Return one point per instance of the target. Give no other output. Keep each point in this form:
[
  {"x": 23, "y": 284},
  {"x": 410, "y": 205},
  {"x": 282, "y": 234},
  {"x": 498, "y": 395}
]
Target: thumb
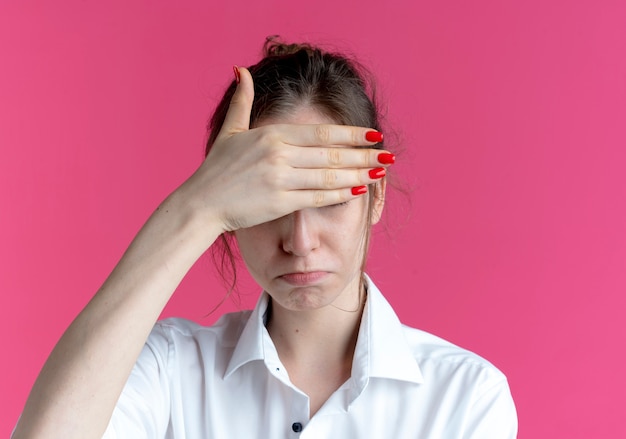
[{"x": 238, "y": 115}]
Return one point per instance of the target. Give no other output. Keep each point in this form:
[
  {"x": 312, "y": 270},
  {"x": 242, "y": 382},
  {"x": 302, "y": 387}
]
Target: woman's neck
[
  {"x": 327, "y": 334},
  {"x": 316, "y": 347}
]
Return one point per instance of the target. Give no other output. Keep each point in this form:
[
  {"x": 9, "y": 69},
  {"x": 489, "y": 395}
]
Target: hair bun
[{"x": 275, "y": 47}]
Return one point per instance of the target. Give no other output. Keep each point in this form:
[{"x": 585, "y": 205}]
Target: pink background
[{"x": 511, "y": 116}]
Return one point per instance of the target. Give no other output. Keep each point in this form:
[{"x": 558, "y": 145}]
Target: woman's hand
[{"x": 256, "y": 175}]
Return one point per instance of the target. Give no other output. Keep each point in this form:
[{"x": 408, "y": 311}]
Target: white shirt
[{"x": 226, "y": 381}]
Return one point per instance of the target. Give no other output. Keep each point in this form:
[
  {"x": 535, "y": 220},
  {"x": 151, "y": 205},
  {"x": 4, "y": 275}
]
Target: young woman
[{"x": 295, "y": 176}]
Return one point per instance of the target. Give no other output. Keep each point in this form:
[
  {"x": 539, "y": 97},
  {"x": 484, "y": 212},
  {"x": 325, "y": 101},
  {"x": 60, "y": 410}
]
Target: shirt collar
[
  {"x": 252, "y": 341},
  {"x": 381, "y": 351}
]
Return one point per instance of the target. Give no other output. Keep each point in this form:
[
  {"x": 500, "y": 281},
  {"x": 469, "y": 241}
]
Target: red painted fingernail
[
  {"x": 359, "y": 190},
  {"x": 237, "y": 76},
  {"x": 377, "y": 173},
  {"x": 386, "y": 159},
  {"x": 374, "y": 136}
]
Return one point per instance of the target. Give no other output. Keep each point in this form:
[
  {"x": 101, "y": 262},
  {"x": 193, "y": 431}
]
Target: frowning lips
[{"x": 304, "y": 278}]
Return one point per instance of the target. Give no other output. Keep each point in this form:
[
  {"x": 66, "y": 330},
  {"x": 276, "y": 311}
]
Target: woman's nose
[{"x": 300, "y": 236}]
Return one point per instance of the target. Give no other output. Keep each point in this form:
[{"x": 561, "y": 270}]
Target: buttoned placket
[{"x": 300, "y": 409}]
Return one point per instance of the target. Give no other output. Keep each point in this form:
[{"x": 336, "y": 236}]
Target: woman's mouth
[{"x": 304, "y": 278}]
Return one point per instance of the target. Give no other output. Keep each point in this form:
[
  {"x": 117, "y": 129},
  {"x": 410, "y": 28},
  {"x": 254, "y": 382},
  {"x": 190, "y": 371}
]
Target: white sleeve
[
  {"x": 142, "y": 410},
  {"x": 493, "y": 414}
]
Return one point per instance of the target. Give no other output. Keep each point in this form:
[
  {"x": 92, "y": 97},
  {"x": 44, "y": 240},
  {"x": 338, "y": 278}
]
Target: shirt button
[{"x": 296, "y": 427}]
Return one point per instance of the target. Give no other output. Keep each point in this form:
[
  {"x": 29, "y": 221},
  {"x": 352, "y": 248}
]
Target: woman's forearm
[{"x": 82, "y": 379}]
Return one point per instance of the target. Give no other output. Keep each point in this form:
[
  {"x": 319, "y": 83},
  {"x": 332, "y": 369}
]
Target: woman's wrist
[{"x": 195, "y": 227}]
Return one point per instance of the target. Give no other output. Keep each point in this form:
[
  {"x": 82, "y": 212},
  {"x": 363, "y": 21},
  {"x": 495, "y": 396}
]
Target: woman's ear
[{"x": 378, "y": 200}]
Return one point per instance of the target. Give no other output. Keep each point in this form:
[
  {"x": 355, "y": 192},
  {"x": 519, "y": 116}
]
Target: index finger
[{"x": 328, "y": 134}]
